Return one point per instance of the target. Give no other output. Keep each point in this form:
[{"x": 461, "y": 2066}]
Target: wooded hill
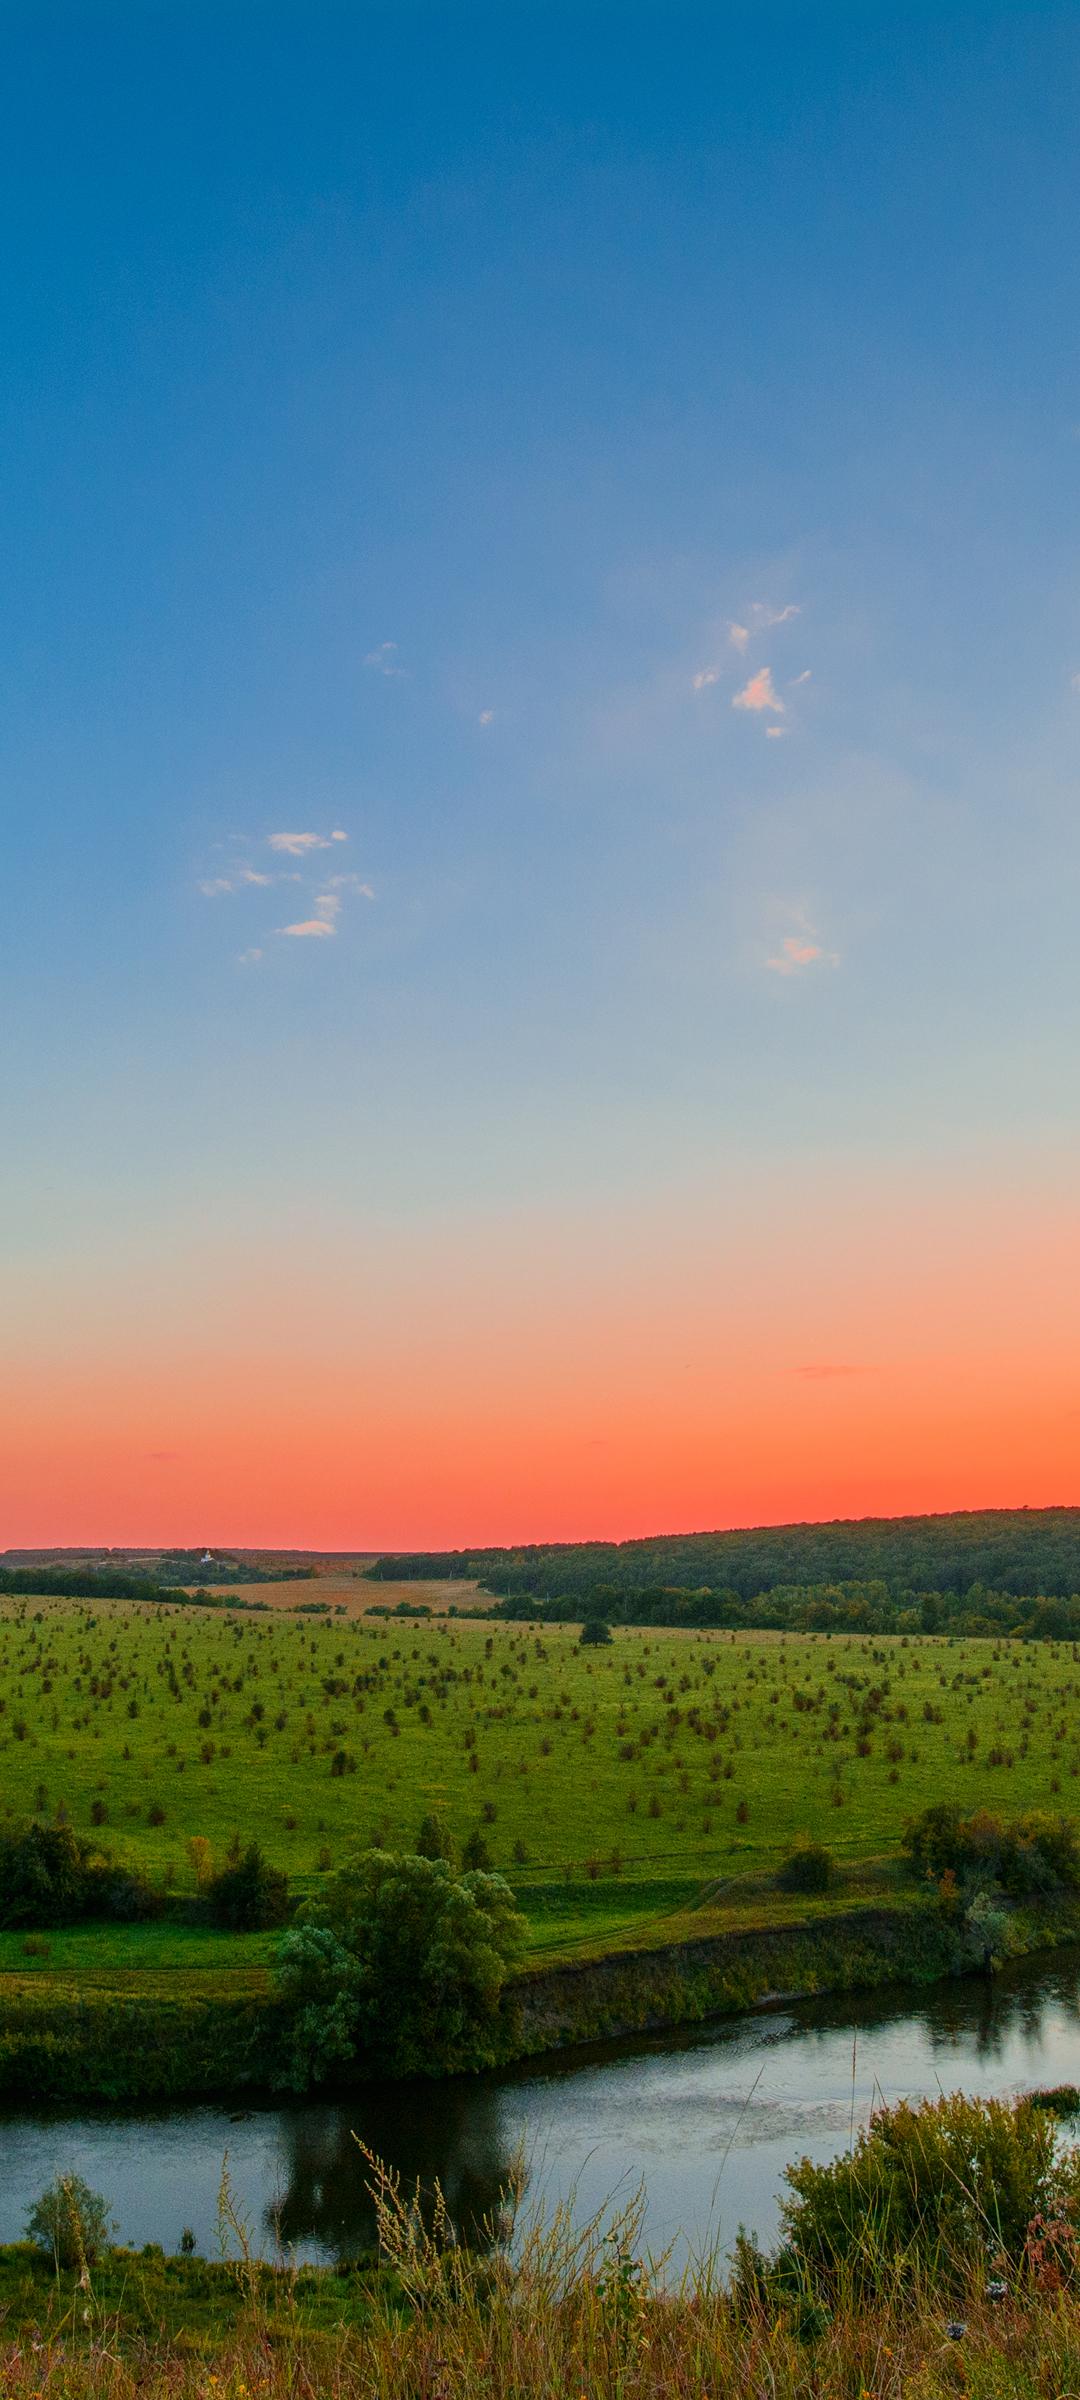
[{"x": 983, "y": 1570}]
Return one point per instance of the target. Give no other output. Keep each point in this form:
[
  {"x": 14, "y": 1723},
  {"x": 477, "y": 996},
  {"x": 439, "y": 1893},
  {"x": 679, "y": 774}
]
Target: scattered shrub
[{"x": 434, "y": 1839}]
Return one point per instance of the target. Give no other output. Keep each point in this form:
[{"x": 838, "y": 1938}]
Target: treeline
[
  {"x": 1011, "y": 1551},
  {"x": 810, "y": 1608},
  {"x": 82, "y": 1583}
]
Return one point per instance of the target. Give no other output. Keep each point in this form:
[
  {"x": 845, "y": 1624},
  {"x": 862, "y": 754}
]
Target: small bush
[
  {"x": 250, "y": 1896},
  {"x": 434, "y": 1839},
  {"x": 931, "y": 2190},
  {"x": 807, "y": 1868},
  {"x": 70, "y": 2223}
]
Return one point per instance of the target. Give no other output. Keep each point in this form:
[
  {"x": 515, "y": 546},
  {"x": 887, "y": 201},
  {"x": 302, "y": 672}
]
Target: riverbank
[{"x": 161, "y": 2037}]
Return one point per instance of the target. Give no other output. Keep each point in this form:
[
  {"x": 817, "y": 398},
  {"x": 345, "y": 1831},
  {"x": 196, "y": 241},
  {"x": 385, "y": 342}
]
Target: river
[{"x": 707, "y": 2119}]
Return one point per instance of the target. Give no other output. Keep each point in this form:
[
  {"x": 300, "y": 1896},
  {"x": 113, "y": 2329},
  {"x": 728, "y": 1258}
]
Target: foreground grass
[
  {"x": 611, "y": 2336},
  {"x": 620, "y": 1789}
]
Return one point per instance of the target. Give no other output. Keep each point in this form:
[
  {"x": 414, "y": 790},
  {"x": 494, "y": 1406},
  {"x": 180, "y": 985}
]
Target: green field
[{"x": 612, "y": 1785}]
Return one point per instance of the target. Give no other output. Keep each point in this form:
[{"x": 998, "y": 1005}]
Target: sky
[{"x": 539, "y": 740}]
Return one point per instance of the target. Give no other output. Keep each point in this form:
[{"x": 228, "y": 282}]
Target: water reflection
[
  {"x": 708, "y": 2119},
  {"x": 453, "y": 2132}
]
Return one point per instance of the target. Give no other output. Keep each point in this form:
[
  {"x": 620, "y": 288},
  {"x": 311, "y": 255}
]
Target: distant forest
[{"x": 991, "y": 1572}]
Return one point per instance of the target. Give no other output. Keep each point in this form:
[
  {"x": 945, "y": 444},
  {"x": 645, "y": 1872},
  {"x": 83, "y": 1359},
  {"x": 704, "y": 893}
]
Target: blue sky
[{"x": 617, "y": 468}]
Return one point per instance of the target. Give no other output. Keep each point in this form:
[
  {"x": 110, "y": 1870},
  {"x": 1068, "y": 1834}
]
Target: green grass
[
  {"x": 85, "y": 1951},
  {"x": 617, "y": 1787},
  {"x": 141, "y": 2295}
]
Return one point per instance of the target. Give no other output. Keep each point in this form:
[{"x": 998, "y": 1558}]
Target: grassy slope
[{"x": 643, "y": 1752}]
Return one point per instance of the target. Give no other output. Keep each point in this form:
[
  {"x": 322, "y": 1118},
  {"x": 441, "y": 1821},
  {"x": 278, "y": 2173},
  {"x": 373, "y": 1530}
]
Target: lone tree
[
  {"x": 402, "y": 1962},
  {"x": 594, "y": 1631}
]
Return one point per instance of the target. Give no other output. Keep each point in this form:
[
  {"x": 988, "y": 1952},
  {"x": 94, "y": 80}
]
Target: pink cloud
[
  {"x": 309, "y": 929},
  {"x": 796, "y": 952},
  {"x": 759, "y": 694}
]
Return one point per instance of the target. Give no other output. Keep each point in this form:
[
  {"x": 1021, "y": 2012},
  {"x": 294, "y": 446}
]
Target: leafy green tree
[
  {"x": 320, "y": 1982},
  {"x": 70, "y": 2223},
  {"x": 594, "y": 1632},
  {"x": 412, "y": 1981}
]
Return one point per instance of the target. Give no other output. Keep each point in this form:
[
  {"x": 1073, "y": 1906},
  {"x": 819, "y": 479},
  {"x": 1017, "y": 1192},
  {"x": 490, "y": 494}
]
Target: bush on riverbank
[{"x": 926, "y": 2194}]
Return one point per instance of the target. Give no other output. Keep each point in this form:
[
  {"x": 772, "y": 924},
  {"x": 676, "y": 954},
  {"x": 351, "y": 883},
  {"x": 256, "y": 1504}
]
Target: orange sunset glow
[{"x": 820, "y": 1353}]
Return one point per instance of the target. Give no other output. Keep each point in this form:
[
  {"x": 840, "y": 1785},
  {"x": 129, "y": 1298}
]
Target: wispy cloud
[
  {"x": 323, "y": 894},
  {"x": 797, "y": 952},
  {"x": 213, "y": 885},
  {"x": 803, "y": 678},
  {"x": 760, "y": 618},
  {"x": 705, "y": 678},
  {"x": 349, "y": 883},
  {"x": 383, "y": 660},
  {"x": 486, "y": 717},
  {"x": 776, "y": 733},
  {"x": 297, "y": 845},
  {"x": 759, "y": 694},
  {"x": 763, "y": 618}
]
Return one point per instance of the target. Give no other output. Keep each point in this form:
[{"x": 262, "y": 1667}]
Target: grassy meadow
[{"x": 617, "y": 1787}]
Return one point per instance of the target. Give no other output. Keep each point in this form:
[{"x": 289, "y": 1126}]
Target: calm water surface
[{"x": 708, "y": 2119}]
